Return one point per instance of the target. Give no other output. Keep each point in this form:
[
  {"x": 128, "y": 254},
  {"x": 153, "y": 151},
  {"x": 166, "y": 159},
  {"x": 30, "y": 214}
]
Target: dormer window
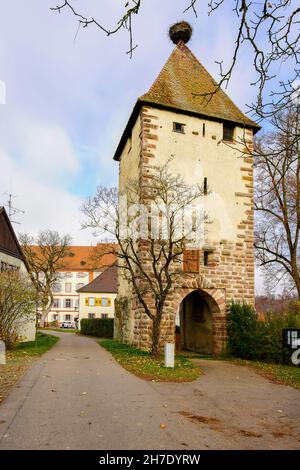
[
  {"x": 178, "y": 127},
  {"x": 228, "y": 131}
]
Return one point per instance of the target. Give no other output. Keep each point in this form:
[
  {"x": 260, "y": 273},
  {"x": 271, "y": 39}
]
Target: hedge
[
  {"x": 251, "y": 338},
  {"x": 100, "y": 327}
]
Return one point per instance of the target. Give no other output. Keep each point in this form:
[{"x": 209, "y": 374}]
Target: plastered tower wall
[{"x": 229, "y": 237}]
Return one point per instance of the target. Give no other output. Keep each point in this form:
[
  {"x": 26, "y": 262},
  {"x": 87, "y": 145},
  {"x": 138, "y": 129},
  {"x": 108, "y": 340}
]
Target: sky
[{"x": 68, "y": 100}]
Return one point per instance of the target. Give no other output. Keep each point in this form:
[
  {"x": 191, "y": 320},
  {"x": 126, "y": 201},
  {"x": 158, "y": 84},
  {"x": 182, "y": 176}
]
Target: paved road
[{"x": 77, "y": 397}]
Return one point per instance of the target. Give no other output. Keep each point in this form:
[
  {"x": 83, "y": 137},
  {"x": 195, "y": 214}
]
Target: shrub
[
  {"x": 17, "y": 306},
  {"x": 250, "y": 338},
  {"x": 100, "y": 327},
  {"x": 244, "y": 337}
]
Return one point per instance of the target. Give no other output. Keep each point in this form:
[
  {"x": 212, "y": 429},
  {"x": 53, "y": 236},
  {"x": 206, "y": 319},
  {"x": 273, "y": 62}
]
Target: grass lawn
[
  {"x": 278, "y": 373},
  {"x": 140, "y": 363},
  {"x": 19, "y": 359}
]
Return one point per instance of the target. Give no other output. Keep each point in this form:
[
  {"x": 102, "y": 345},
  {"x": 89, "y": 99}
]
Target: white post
[
  {"x": 169, "y": 355},
  {"x": 2, "y": 353}
]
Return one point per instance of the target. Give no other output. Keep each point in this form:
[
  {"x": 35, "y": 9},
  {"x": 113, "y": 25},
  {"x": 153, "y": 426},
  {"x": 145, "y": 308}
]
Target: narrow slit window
[
  {"x": 203, "y": 130},
  {"x": 228, "y": 132},
  {"x": 178, "y": 127},
  {"x": 206, "y": 258},
  {"x": 205, "y": 187}
]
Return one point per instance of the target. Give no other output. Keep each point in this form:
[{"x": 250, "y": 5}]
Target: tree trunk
[
  {"x": 155, "y": 350},
  {"x": 44, "y": 316}
]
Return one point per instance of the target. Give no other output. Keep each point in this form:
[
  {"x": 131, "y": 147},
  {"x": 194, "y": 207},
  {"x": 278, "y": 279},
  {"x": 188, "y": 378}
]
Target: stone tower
[{"x": 201, "y": 135}]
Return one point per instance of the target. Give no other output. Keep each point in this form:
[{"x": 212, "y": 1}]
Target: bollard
[
  {"x": 2, "y": 353},
  {"x": 169, "y": 355}
]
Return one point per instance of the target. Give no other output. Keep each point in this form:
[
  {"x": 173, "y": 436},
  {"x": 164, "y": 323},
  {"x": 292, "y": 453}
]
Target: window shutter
[
  {"x": 87, "y": 301},
  {"x": 109, "y": 302},
  {"x": 191, "y": 261}
]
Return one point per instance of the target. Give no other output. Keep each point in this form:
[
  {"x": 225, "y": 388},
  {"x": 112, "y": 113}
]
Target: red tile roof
[{"x": 88, "y": 258}]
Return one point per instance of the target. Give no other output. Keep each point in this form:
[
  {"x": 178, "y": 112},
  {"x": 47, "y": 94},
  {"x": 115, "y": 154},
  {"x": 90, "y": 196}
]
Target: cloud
[{"x": 45, "y": 205}]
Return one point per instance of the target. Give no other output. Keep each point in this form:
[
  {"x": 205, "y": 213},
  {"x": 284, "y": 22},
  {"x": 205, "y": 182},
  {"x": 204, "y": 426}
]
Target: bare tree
[
  {"x": 270, "y": 31},
  {"x": 45, "y": 256},
  {"x": 151, "y": 237},
  {"x": 277, "y": 199},
  {"x": 17, "y": 306}
]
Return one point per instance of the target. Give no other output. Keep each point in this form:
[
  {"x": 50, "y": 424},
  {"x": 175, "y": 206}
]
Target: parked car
[{"x": 67, "y": 324}]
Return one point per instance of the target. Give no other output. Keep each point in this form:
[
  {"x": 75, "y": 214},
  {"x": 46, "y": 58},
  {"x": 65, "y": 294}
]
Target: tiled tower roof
[{"x": 178, "y": 87}]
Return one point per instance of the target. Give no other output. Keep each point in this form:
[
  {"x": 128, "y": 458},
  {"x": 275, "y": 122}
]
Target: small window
[
  {"x": 205, "y": 187},
  {"x": 56, "y": 287},
  {"x": 68, "y": 287},
  {"x": 81, "y": 274},
  {"x": 104, "y": 315},
  {"x": 206, "y": 258},
  {"x": 56, "y": 303},
  {"x": 178, "y": 127},
  {"x": 68, "y": 303},
  {"x": 92, "y": 302},
  {"x": 228, "y": 132},
  {"x": 67, "y": 317},
  {"x": 203, "y": 130},
  {"x": 91, "y": 315}
]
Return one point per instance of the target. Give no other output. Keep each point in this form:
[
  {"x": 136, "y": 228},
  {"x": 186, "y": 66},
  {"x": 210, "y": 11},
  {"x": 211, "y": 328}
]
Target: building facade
[
  {"x": 97, "y": 299},
  {"x": 12, "y": 259},
  {"x": 201, "y": 136},
  {"x": 80, "y": 269}
]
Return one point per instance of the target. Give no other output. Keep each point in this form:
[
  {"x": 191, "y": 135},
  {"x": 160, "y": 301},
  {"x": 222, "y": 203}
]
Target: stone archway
[
  {"x": 196, "y": 323},
  {"x": 202, "y": 315}
]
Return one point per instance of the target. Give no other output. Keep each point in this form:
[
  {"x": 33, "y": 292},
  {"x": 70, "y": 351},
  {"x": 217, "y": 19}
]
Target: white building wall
[{"x": 66, "y": 296}]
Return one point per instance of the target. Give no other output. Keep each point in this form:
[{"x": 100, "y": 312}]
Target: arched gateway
[{"x": 202, "y": 320}]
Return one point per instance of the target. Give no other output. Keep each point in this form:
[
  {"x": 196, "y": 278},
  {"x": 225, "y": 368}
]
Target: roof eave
[{"x": 140, "y": 103}]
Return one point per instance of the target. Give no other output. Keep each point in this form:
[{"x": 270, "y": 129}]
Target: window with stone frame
[{"x": 207, "y": 257}]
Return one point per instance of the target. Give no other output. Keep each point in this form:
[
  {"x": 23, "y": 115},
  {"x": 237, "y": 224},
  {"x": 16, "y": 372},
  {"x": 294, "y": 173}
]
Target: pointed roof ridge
[
  {"x": 106, "y": 282},
  {"x": 182, "y": 81},
  {"x": 180, "y": 86}
]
